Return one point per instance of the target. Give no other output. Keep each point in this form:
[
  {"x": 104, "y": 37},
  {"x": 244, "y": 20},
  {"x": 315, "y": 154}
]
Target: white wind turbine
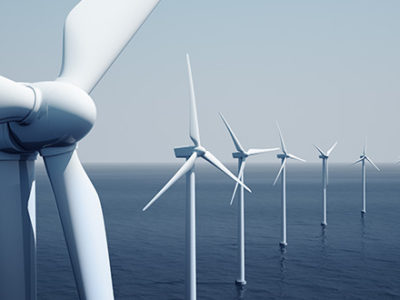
[
  {"x": 284, "y": 156},
  {"x": 363, "y": 158},
  {"x": 191, "y": 153},
  {"x": 241, "y": 155},
  {"x": 324, "y": 156},
  {"x": 50, "y": 118}
]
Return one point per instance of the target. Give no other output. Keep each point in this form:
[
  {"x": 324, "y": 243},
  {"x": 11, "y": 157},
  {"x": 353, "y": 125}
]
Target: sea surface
[{"x": 353, "y": 258}]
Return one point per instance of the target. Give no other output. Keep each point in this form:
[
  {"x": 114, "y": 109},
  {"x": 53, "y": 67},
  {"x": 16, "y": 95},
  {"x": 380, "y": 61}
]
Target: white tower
[
  {"x": 241, "y": 156},
  {"x": 363, "y": 158},
  {"x": 324, "y": 156},
  {"x": 284, "y": 156}
]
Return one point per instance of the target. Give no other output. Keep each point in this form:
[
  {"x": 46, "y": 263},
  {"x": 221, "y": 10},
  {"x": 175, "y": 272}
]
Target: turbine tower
[
  {"x": 241, "y": 155},
  {"x": 363, "y": 158},
  {"x": 284, "y": 156},
  {"x": 191, "y": 153},
  {"x": 50, "y": 118},
  {"x": 324, "y": 156}
]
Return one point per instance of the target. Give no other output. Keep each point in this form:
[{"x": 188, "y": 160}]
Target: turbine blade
[
  {"x": 240, "y": 176},
  {"x": 357, "y": 161},
  {"x": 95, "y": 33},
  {"x": 235, "y": 140},
  {"x": 82, "y": 220},
  {"x": 320, "y": 151},
  {"x": 331, "y": 149},
  {"x": 194, "y": 123},
  {"x": 295, "y": 157},
  {"x": 260, "y": 151},
  {"x": 281, "y": 138},
  {"x": 280, "y": 170},
  {"x": 372, "y": 163},
  {"x": 182, "y": 171},
  {"x": 365, "y": 146},
  {"x": 208, "y": 156}
]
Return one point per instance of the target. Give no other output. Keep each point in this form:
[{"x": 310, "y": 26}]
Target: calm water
[{"x": 353, "y": 258}]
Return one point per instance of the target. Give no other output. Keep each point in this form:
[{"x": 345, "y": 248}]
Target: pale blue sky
[{"x": 326, "y": 70}]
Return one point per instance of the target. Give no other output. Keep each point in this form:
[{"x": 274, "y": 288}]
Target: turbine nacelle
[
  {"x": 241, "y": 155},
  {"x": 185, "y": 152},
  {"x": 62, "y": 115}
]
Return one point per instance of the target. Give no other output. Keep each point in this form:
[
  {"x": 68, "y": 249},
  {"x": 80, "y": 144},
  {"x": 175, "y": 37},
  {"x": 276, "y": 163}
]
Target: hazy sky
[{"x": 326, "y": 70}]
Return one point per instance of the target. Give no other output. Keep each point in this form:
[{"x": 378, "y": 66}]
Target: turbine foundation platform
[
  {"x": 283, "y": 244},
  {"x": 240, "y": 282},
  {"x": 324, "y": 224}
]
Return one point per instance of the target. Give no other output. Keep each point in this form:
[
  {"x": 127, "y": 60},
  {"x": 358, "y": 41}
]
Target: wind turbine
[
  {"x": 50, "y": 118},
  {"x": 363, "y": 158},
  {"x": 191, "y": 153},
  {"x": 284, "y": 156},
  {"x": 241, "y": 155},
  {"x": 324, "y": 156}
]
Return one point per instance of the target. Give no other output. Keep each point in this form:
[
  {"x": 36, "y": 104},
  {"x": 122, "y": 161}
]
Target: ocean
[{"x": 352, "y": 258}]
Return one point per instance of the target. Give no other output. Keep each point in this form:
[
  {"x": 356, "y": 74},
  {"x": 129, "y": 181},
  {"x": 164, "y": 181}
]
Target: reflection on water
[
  {"x": 323, "y": 236},
  {"x": 241, "y": 290},
  {"x": 363, "y": 237},
  {"x": 282, "y": 264},
  {"x": 363, "y": 226}
]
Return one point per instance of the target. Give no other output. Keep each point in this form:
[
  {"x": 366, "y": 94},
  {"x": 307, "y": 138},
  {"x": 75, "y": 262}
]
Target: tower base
[
  {"x": 283, "y": 244},
  {"x": 324, "y": 224},
  {"x": 240, "y": 282}
]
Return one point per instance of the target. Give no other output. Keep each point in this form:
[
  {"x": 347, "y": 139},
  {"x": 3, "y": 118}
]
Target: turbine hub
[
  {"x": 239, "y": 155},
  {"x": 281, "y": 155},
  {"x": 200, "y": 150},
  {"x": 63, "y": 114}
]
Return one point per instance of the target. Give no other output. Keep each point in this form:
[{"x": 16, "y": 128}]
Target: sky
[{"x": 325, "y": 70}]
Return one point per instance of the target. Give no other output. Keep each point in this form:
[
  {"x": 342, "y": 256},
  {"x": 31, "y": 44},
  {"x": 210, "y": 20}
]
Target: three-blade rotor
[
  {"x": 364, "y": 157},
  {"x": 325, "y": 157},
  {"x": 284, "y": 155},
  {"x": 242, "y": 154},
  {"x": 323, "y": 154},
  {"x": 193, "y": 152}
]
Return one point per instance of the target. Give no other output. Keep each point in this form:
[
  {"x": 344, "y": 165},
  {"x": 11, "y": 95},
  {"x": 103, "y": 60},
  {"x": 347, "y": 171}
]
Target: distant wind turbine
[
  {"x": 241, "y": 155},
  {"x": 363, "y": 158},
  {"x": 324, "y": 156},
  {"x": 191, "y": 153},
  {"x": 282, "y": 171}
]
